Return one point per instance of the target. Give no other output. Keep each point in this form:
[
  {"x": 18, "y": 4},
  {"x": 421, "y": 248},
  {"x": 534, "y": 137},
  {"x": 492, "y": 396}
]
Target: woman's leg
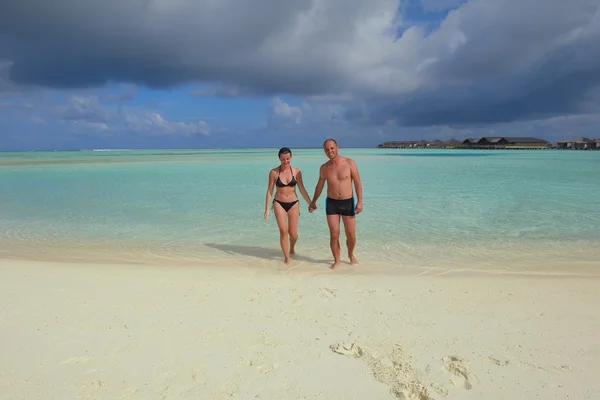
[
  {"x": 293, "y": 216},
  {"x": 281, "y": 218}
]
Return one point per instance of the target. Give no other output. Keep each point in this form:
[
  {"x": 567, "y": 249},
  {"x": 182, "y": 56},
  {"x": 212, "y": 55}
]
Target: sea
[{"x": 426, "y": 211}]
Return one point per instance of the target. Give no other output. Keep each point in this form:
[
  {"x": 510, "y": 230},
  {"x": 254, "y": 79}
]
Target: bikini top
[{"x": 290, "y": 183}]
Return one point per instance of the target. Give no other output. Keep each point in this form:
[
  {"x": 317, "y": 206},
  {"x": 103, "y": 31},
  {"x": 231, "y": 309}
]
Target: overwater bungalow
[
  {"x": 581, "y": 143},
  {"x": 506, "y": 142}
]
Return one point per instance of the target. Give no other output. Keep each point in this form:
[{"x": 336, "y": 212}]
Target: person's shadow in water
[{"x": 261, "y": 252}]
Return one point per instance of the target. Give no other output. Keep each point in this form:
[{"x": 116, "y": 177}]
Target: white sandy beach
[{"x": 89, "y": 331}]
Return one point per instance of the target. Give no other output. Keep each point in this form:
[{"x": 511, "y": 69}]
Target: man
[{"x": 339, "y": 173}]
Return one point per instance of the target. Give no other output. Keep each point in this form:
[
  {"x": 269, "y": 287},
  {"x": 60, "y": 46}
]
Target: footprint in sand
[
  {"x": 497, "y": 361},
  {"x": 556, "y": 368},
  {"x": 562, "y": 368},
  {"x": 460, "y": 371},
  {"x": 328, "y": 293},
  {"x": 347, "y": 349},
  {"x": 394, "y": 370},
  {"x": 533, "y": 366}
]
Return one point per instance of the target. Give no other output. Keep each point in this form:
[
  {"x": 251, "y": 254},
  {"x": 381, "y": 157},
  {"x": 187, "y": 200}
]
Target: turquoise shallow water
[{"x": 504, "y": 210}]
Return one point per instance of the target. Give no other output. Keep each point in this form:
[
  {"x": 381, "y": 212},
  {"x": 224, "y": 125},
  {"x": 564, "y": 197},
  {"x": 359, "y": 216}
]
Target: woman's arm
[
  {"x": 302, "y": 188},
  {"x": 269, "y": 196}
]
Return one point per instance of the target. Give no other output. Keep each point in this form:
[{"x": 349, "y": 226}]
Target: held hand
[
  {"x": 267, "y": 215},
  {"x": 312, "y": 207},
  {"x": 359, "y": 207}
]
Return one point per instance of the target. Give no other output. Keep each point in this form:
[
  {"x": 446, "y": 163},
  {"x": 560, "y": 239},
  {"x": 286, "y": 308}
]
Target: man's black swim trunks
[{"x": 340, "y": 207}]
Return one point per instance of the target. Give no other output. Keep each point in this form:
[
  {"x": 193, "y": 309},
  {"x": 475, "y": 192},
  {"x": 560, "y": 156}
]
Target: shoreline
[
  {"x": 415, "y": 261},
  {"x": 111, "y": 331},
  {"x": 584, "y": 268}
]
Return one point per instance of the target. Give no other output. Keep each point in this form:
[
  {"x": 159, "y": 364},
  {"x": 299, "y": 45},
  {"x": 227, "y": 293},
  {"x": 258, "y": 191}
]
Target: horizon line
[{"x": 108, "y": 149}]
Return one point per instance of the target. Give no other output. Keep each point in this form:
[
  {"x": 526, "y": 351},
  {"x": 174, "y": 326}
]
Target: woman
[{"x": 286, "y": 205}]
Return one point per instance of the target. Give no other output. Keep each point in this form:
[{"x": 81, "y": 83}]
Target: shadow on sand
[{"x": 261, "y": 252}]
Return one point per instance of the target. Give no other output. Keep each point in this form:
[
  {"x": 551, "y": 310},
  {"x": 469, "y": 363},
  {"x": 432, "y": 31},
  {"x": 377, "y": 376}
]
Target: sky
[{"x": 149, "y": 74}]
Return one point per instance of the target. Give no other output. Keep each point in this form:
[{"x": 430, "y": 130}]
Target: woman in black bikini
[{"x": 286, "y": 205}]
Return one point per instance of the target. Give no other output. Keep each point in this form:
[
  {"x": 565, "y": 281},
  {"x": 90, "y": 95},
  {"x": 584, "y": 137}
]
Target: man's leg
[
  {"x": 333, "y": 221},
  {"x": 350, "y": 230}
]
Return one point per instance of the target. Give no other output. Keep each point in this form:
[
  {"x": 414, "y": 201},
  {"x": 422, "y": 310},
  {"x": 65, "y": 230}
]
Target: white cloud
[
  {"x": 84, "y": 109},
  {"x": 283, "y": 111},
  {"x": 154, "y": 123}
]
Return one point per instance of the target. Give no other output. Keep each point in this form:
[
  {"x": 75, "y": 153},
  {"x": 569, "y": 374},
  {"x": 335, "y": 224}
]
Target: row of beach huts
[{"x": 496, "y": 142}]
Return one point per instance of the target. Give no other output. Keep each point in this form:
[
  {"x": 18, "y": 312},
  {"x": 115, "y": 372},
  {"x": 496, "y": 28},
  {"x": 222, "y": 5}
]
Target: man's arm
[
  {"x": 319, "y": 187},
  {"x": 357, "y": 186}
]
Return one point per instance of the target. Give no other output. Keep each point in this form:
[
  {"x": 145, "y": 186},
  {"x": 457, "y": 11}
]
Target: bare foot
[
  {"x": 353, "y": 259},
  {"x": 335, "y": 265},
  {"x": 287, "y": 260},
  {"x": 292, "y": 251}
]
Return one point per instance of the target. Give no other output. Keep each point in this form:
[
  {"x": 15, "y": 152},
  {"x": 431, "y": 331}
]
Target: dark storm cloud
[
  {"x": 161, "y": 43},
  {"x": 507, "y": 66},
  {"x": 490, "y": 60},
  {"x": 550, "y": 91}
]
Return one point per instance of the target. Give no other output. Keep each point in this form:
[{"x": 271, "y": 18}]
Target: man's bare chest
[{"x": 338, "y": 173}]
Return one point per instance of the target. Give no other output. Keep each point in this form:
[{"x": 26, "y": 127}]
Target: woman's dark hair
[{"x": 284, "y": 150}]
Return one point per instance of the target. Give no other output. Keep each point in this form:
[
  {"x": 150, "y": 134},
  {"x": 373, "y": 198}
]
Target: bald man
[{"x": 339, "y": 173}]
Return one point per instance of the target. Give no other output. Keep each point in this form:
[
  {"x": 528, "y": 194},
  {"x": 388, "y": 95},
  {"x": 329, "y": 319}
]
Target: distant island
[{"x": 495, "y": 143}]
